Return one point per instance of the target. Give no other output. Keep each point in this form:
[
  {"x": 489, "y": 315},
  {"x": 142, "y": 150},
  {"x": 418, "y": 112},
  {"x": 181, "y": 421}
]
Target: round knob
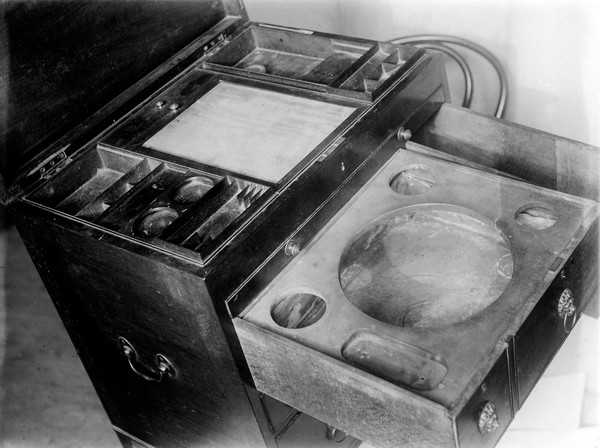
[
  {"x": 404, "y": 134},
  {"x": 566, "y": 309},
  {"x": 292, "y": 248},
  {"x": 488, "y": 421}
]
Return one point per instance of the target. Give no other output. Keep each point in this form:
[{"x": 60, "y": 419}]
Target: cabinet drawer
[
  {"x": 488, "y": 413},
  {"x": 356, "y": 402},
  {"x": 543, "y": 332}
]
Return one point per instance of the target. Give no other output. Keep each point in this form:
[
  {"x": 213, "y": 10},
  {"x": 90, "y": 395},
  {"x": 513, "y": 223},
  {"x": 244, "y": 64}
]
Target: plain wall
[{"x": 550, "y": 49}]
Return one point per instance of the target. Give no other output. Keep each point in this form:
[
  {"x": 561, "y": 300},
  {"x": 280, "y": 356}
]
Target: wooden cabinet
[
  {"x": 173, "y": 205},
  {"x": 159, "y": 310}
]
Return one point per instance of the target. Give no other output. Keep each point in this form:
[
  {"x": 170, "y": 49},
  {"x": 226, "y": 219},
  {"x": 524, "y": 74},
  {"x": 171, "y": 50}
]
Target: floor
[{"x": 46, "y": 399}]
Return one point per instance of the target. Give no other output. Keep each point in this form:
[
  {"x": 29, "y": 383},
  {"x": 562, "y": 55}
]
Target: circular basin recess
[
  {"x": 192, "y": 189},
  {"x": 414, "y": 180},
  {"x": 154, "y": 221},
  {"x": 298, "y": 310},
  {"x": 427, "y": 265},
  {"x": 536, "y": 216}
]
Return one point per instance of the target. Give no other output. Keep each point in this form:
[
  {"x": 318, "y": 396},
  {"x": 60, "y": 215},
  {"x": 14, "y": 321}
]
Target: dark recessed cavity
[
  {"x": 414, "y": 180},
  {"x": 192, "y": 189},
  {"x": 426, "y": 266},
  {"x": 394, "y": 360},
  {"x": 536, "y": 216},
  {"x": 154, "y": 221},
  {"x": 302, "y": 57},
  {"x": 298, "y": 310}
]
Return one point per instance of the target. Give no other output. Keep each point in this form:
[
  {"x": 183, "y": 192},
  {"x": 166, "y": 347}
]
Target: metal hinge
[{"x": 53, "y": 164}]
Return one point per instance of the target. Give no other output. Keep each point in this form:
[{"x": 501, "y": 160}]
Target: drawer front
[
  {"x": 488, "y": 413},
  {"x": 103, "y": 294},
  {"x": 340, "y": 395},
  {"x": 546, "y": 328}
]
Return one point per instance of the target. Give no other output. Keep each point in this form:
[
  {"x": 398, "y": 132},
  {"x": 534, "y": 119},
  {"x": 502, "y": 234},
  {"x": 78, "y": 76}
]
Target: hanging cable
[{"x": 442, "y": 40}]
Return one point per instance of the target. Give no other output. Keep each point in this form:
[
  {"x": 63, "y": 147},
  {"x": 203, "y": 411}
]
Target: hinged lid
[{"x": 61, "y": 62}]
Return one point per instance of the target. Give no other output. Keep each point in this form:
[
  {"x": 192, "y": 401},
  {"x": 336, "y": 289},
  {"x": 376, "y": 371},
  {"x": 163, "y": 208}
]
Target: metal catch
[{"x": 566, "y": 309}]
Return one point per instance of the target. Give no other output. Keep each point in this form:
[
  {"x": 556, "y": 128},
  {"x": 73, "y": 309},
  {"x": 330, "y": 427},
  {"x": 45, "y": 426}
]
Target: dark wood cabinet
[{"x": 247, "y": 248}]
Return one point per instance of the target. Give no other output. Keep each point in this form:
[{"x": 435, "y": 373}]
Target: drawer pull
[
  {"x": 335, "y": 434},
  {"x": 488, "y": 421},
  {"x": 164, "y": 366},
  {"x": 566, "y": 309}
]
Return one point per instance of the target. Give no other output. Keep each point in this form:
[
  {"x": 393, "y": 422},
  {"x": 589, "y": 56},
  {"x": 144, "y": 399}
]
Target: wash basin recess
[{"x": 428, "y": 265}]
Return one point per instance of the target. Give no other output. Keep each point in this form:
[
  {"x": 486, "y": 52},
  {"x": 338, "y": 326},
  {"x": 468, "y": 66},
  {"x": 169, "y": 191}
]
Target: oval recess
[
  {"x": 154, "y": 221},
  {"x": 298, "y": 310},
  {"x": 394, "y": 360},
  {"x": 416, "y": 179},
  {"x": 536, "y": 216},
  {"x": 192, "y": 189}
]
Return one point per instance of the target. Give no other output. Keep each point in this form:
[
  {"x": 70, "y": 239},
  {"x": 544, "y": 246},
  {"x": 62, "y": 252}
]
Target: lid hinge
[{"x": 52, "y": 165}]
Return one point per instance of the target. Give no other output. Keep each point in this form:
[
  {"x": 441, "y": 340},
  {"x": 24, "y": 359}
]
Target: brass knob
[
  {"x": 292, "y": 248},
  {"x": 488, "y": 421},
  {"x": 404, "y": 134},
  {"x": 566, "y": 309}
]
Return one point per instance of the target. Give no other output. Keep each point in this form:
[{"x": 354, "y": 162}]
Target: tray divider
[
  {"x": 140, "y": 196},
  {"x": 185, "y": 226},
  {"x": 103, "y": 201},
  {"x": 253, "y": 201}
]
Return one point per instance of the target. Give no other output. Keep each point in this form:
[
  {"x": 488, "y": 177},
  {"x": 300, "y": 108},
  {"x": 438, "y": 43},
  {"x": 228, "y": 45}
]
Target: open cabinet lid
[{"x": 63, "y": 61}]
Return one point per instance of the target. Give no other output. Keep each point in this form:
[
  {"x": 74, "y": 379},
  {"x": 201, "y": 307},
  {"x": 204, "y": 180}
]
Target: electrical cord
[{"x": 426, "y": 40}]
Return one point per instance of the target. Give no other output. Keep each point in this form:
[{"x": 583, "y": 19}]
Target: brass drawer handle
[
  {"x": 566, "y": 309},
  {"x": 164, "y": 366},
  {"x": 335, "y": 434},
  {"x": 488, "y": 421}
]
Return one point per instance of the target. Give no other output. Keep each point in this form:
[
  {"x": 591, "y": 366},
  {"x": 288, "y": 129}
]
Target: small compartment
[
  {"x": 289, "y": 54},
  {"x": 390, "y": 358},
  {"x": 74, "y": 188},
  {"x": 298, "y": 310},
  {"x": 120, "y": 215},
  {"x": 416, "y": 179},
  {"x": 376, "y": 67},
  {"x": 536, "y": 216},
  {"x": 211, "y": 220},
  {"x": 116, "y": 190}
]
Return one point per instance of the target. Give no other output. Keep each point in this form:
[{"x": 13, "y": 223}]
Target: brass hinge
[{"x": 51, "y": 165}]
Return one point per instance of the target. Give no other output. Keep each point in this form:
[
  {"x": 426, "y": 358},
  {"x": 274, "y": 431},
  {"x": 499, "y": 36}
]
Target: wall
[{"x": 550, "y": 49}]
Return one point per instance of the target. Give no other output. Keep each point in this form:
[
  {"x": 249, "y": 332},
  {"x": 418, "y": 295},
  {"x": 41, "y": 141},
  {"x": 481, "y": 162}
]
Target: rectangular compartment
[
  {"x": 85, "y": 179},
  {"x": 374, "y": 71},
  {"x": 142, "y": 197},
  {"x": 288, "y": 54}
]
